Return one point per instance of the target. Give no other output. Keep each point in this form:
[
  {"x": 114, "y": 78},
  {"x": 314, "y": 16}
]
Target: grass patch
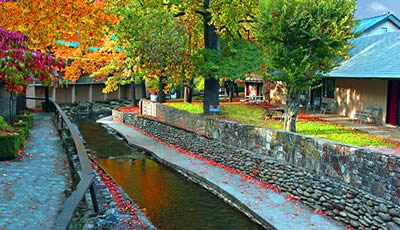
[
  {"x": 191, "y": 108},
  {"x": 254, "y": 115}
]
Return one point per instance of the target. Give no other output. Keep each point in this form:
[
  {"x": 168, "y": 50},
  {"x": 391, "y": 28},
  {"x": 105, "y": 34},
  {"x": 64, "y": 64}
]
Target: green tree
[
  {"x": 302, "y": 40},
  {"x": 177, "y": 39}
]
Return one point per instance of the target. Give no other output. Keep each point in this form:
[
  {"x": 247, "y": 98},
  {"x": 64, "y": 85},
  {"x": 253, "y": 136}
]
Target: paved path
[
  {"x": 272, "y": 207},
  {"x": 384, "y": 131},
  {"x": 31, "y": 190}
]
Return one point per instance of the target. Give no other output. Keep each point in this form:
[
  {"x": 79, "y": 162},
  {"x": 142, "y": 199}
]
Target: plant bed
[
  {"x": 10, "y": 142},
  {"x": 24, "y": 127},
  {"x": 26, "y": 117}
]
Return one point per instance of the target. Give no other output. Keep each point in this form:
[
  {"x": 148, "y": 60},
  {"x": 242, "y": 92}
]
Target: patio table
[{"x": 274, "y": 110}]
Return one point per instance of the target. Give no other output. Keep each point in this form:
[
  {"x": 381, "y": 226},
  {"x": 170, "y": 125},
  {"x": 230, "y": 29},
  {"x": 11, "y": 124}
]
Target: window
[{"x": 328, "y": 88}]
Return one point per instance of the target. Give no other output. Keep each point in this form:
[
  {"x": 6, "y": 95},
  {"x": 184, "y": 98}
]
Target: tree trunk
[
  {"x": 236, "y": 89},
  {"x": 47, "y": 101},
  {"x": 291, "y": 112},
  {"x": 161, "y": 94},
  {"x": 188, "y": 97},
  {"x": 133, "y": 94},
  {"x": 210, "y": 98},
  {"x": 11, "y": 107},
  {"x": 211, "y": 39},
  {"x": 189, "y": 92},
  {"x": 143, "y": 89},
  {"x": 231, "y": 92}
]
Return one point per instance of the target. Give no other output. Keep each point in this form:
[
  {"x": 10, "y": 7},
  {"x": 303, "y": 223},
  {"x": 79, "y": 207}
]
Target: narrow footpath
[
  {"x": 268, "y": 205},
  {"x": 32, "y": 189}
]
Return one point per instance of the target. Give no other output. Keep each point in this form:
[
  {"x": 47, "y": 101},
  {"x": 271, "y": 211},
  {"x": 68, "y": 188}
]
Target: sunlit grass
[
  {"x": 196, "y": 108},
  {"x": 254, "y": 115}
]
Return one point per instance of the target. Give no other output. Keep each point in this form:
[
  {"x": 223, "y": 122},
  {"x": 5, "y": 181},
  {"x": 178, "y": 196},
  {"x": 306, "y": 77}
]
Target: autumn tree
[
  {"x": 20, "y": 66},
  {"x": 153, "y": 44},
  {"x": 302, "y": 40},
  {"x": 47, "y": 21},
  {"x": 179, "y": 39}
]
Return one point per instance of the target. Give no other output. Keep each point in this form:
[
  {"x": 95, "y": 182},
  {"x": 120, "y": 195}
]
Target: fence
[{"x": 86, "y": 177}]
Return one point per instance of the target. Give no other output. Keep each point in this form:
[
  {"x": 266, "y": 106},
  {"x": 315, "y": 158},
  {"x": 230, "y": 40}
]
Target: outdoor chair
[
  {"x": 316, "y": 103},
  {"x": 331, "y": 108},
  {"x": 363, "y": 115},
  {"x": 372, "y": 117}
]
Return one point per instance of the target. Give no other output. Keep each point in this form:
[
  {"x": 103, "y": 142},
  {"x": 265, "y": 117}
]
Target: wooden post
[
  {"x": 47, "y": 102},
  {"x": 133, "y": 94},
  {"x": 91, "y": 93},
  {"x": 73, "y": 94}
]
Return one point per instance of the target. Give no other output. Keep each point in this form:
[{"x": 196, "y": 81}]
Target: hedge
[
  {"x": 12, "y": 138},
  {"x": 21, "y": 125},
  {"x": 10, "y": 144},
  {"x": 26, "y": 117},
  {"x": 3, "y": 123}
]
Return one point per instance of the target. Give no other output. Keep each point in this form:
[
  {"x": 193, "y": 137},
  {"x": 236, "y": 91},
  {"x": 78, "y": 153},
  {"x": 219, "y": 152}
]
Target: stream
[{"x": 169, "y": 200}]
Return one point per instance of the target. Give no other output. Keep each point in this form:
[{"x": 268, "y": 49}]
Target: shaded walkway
[
  {"x": 32, "y": 189},
  {"x": 270, "y": 206}
]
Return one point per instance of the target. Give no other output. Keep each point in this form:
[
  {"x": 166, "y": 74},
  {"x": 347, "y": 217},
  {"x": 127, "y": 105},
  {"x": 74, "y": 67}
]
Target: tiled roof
[
  {"x": 375, "y": 56},
  {"x": 369, "y": 23}
]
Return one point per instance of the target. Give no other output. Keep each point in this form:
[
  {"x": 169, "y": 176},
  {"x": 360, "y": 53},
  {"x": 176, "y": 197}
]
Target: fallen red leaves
[
  {"x": 292, "y": 198},
  {"x": 129, "y": 109},
  {"x": 320, "y": 212},
  {"x": 124, "y": 205}
]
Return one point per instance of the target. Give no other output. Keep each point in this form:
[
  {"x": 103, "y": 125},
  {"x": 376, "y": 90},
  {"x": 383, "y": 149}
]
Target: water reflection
[{"x": 171, "y": 202}]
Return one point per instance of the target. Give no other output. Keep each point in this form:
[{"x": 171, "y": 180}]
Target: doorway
[{"x": 393, "y": 105}]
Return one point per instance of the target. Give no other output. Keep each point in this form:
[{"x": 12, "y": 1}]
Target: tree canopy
[
  {"x": 302, "y": 40},
  {"x": 178, "y": 40},
  {"x": 47, "y": 21},
  {"x": 20, "y": 65}
]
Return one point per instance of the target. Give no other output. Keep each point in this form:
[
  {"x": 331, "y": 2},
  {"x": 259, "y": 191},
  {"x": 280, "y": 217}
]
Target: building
[
  {"x": 372, "y": 74},
  {"x": 381, "y": 24},
  {"x": 371, "y": 77},
  {"x": 84, "y": 89}
]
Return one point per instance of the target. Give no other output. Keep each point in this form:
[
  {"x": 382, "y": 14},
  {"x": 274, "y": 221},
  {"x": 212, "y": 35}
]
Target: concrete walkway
[
  {"x": 389, "y": 132},
  {"x": 271, "y": 206},
  {"x": 32, "y": 189}
]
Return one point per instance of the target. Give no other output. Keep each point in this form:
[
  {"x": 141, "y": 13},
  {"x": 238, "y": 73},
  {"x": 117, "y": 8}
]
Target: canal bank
[
  {"x": 169, "y": 200},
  {"x": 261, "y": 202}
]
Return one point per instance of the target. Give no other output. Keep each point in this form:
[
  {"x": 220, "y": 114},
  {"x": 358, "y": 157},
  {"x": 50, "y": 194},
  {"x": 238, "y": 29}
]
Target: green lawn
[
  {"x": 255, "y": 116},
  {"x": 196, "y": 108}
]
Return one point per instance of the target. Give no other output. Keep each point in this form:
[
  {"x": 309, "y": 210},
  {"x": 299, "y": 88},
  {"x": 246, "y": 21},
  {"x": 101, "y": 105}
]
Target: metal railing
[{"x": 87, "y": 175}]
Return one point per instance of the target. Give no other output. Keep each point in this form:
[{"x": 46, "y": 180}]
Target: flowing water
[{"x": 171, "y": 202}]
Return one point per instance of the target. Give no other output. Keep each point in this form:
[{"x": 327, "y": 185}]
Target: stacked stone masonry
[{"x": 356, "y": 186}]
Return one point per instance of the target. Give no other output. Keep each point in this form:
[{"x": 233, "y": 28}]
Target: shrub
[
  {"x": 3, "y": 123},
  {"x": 22, "y": 125},
  {"x": 26, "y": 117},
  {"x": 10, "y": 144}
]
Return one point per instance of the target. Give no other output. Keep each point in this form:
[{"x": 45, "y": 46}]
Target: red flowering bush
[{"x": 20, "y": 66}]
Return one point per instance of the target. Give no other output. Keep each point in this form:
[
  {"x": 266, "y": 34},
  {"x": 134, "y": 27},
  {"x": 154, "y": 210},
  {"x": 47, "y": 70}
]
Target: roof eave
[{"x": 365, "y": 76}]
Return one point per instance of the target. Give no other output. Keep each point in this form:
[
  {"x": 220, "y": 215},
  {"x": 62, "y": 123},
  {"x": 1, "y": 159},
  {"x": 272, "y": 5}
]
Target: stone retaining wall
[{"x": 355, "y": 185}]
